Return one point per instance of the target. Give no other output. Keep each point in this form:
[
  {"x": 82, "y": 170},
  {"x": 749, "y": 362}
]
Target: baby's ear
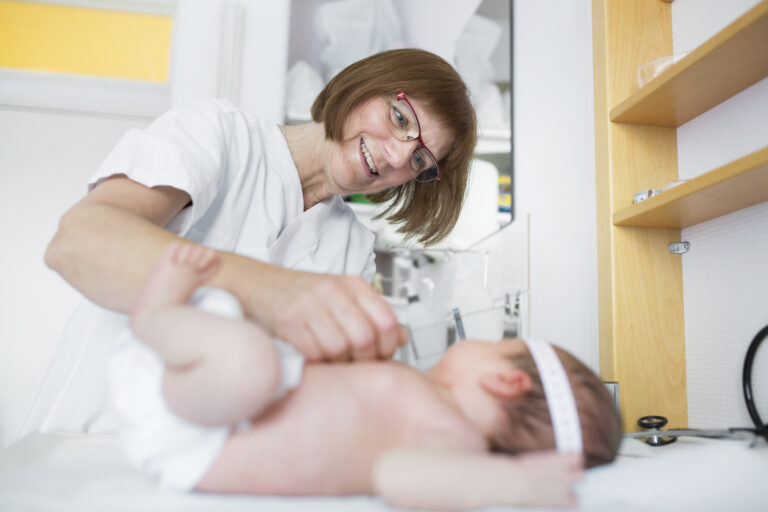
[{"x": 509, "y": 385}]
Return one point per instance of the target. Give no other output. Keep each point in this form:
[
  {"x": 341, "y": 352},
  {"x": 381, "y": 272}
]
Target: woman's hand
[{"x": 328, "y": 317}]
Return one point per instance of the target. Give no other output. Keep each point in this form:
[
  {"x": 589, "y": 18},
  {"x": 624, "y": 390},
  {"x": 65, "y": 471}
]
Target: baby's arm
[{"x": 436, "y": 478}]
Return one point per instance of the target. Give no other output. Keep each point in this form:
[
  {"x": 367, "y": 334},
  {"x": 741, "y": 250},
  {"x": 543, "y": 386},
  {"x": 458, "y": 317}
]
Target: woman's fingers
[
  {"x": 329, "y": 338},
  {"x": 345, "y": 318},
  {"x": 300, "y": 336},
  {"x": 389, "y": 333}
]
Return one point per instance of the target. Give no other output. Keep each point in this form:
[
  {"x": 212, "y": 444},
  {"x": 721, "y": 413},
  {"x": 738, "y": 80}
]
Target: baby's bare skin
[
  {"x": 348, "y": 422},
  {"x": 324, "y": 438},
  {"x": 419, "y": 439}
]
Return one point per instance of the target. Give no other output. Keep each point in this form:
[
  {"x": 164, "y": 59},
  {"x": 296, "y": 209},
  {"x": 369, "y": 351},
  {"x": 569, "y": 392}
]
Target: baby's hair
[{"x": 529, "y": 427}]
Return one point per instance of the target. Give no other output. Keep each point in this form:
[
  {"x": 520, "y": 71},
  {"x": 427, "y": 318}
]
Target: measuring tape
[{"x": 559, "y": 395}]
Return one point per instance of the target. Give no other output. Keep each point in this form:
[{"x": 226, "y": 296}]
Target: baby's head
[{"x": 498, "y": 386}]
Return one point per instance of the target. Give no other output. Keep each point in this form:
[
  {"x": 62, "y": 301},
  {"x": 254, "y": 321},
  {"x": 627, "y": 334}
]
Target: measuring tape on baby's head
[{"x": 559, "y": 395}]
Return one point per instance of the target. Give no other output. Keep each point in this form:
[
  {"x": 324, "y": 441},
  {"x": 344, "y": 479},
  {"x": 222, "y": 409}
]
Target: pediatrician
[{"x": 396, "y": 126}]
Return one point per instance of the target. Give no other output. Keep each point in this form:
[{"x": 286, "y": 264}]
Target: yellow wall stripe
[{"x": 46, "y": 37}]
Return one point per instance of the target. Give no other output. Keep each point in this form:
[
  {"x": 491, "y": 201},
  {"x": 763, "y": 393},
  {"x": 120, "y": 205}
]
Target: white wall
[
  {"x": 555, "y": 169},
  {"x": 233, "y": 49},
  {"x": 45, "y": 161},
  {"x": 725, "y": 274}
]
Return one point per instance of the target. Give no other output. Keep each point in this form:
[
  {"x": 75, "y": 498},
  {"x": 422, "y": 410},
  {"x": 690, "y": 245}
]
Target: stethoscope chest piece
[{"x": 653, "y": 426}]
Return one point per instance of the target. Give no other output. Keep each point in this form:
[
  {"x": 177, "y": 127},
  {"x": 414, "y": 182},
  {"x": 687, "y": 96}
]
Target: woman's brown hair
[{"x": 427, "y": 211}]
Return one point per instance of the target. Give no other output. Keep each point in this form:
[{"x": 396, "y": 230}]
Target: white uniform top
[
  {"x": 245, "y": 190},
  {"x": 246, "y": 198}
]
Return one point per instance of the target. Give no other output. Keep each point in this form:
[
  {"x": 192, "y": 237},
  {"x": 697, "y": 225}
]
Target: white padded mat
[{"x": 64, "y": 472}]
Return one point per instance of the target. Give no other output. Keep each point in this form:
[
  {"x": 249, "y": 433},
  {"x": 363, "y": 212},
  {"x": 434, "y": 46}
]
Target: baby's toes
[
  {"x": 194, "y": 256},
  {"x": 209, "y": 263},
  {"x": 173, "y": 252},
  {"x": 206, "y": 257},
  {"x": 185, "y": 254}
]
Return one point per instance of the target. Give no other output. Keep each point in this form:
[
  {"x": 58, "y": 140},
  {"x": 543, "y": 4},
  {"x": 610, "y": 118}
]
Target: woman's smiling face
[{"x": 371, "y": 157}]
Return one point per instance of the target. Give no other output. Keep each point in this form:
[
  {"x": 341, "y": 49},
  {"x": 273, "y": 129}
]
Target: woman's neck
[{"x": 309, "y": 150}]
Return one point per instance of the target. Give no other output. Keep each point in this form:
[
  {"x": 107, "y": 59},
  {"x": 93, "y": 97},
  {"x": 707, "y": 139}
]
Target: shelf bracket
[{"x": 679, "y": 247}]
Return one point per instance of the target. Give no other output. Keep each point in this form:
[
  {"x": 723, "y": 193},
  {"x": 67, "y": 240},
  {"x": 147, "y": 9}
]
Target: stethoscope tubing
[{"x": 762, "y": 428}]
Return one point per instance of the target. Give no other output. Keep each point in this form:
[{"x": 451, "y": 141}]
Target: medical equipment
[
  {"x": 655, "y": 436},
  {"x": 426, "y": 328},
  {"x": 430, "y": 334},
  {"x": 746, "y": 380},
  {"x": 512, "y": 318},
  {"x": 459, "y": 324}
]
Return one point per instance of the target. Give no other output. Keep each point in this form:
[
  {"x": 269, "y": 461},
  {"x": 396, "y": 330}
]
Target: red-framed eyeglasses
[{"x": 407, "y": 128}]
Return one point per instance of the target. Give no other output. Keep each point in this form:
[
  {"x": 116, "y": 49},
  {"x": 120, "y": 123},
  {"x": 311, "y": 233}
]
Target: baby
[{"x": 210, "y": 407}]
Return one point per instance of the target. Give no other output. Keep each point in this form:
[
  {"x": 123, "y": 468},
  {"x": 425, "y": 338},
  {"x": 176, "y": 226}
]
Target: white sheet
[{"x": 63, "y": 472}]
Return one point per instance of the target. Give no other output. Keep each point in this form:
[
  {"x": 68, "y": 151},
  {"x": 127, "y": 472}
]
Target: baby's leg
[{"x": 218, "y": 370}]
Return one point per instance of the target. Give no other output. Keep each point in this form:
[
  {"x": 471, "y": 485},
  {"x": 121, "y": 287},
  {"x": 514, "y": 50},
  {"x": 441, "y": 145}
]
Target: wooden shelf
[
  {"x": 728, "y": 63},
  {"x": 737, "y": 185}
]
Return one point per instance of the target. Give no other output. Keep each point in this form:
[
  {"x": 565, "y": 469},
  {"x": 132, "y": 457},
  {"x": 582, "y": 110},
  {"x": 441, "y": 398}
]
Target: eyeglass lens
[{"x": 407, "y": 127}]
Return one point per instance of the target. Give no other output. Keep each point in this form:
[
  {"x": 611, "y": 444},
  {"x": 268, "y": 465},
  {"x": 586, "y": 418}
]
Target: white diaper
[{"x": 173, "y": 450}]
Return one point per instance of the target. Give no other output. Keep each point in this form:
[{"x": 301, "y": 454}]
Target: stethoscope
[{"x": 655, "y": 436}]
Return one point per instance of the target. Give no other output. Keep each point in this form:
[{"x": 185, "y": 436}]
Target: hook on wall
[{"x": 679, "y": 247}]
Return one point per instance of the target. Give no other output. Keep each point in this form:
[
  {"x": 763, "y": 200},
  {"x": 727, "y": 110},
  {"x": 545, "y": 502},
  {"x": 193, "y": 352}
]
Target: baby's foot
[{"x": 179, "y": 271}]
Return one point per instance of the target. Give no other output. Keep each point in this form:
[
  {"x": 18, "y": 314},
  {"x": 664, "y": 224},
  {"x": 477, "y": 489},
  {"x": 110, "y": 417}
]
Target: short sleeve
[{"x": 185, "y": 148}]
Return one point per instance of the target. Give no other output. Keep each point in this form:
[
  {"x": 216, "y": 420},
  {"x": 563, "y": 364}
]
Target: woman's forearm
[{"x": 106, "y": 252}]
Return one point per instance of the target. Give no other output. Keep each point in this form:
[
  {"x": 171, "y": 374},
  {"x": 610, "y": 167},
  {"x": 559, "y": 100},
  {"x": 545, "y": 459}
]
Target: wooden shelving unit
[
  {"x": 642, "y": 334},
  {"x": 642, "y": 338},
  {"x": 734, "y": 186},
  {"x": 726, "y": 64}
]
